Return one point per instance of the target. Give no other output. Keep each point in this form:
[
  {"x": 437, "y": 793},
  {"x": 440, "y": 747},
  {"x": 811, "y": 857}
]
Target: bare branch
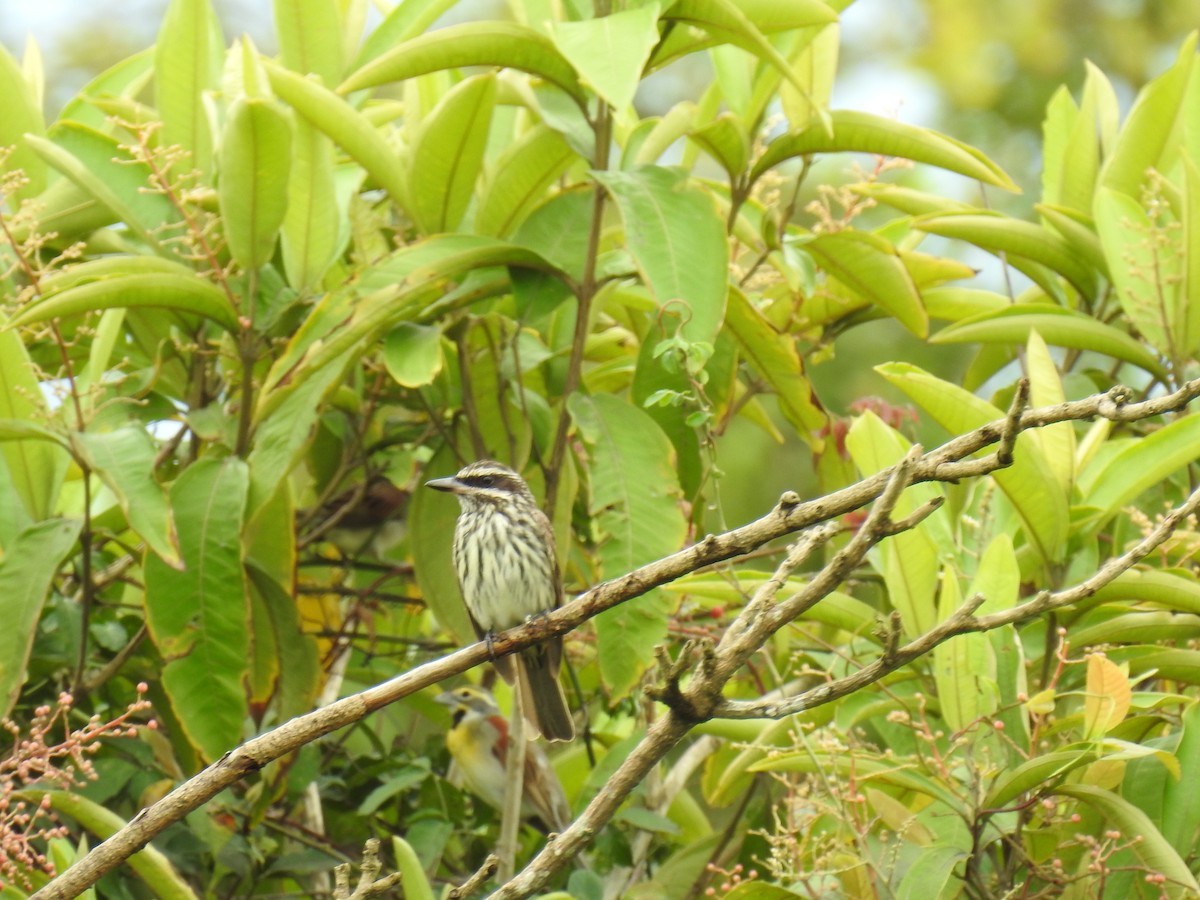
[{"x": 476, "y": 881}]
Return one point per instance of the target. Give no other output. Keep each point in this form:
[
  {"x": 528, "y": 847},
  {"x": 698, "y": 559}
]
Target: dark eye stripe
[{"x": 504, "y": 482}]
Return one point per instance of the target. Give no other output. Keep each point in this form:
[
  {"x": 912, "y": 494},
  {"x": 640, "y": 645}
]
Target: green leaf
[
  {"x": 651, "y": 138},
  {"x": 955, "y": 303},
  {"x": 271, "y": 569},
  {"x": 1146, "y": 841},
  {"x": 760, "y": 890},
  {"x": 27, "y": 571},
  {"x": 503, "y": 44},
  {"x": 520, "y": 179},
  {"x": 403, "y": 287},
  {"x": 431, "y": 518},
  {"x": 1180, "y": 801},
  {"x": 199, "y": 618},
  {"x": 35, "y": 467},
  {"x": 610, "y": 52},
  {"x": 406, "y": 20},
  {"x": 282, "y": 436},
  {"x": 908, "y": 561},
  {"x": 122, "y": 80},
  {"x": 1071, "y": 153},
  {"x": 311, "y": 235},
  {"x": 1057, "y": 325},
  {"x": 255, "y": 160},
  {"x": 725, "y": 140},
  {"x": 1046, "y": 389},
  {"x": 412, "y": 874},
  {"x": 558, "y": 231},
  {"x": 743, "y": 24},
  {"x": 1147, "y": 266},
  {"x": 815, "y": 64},
  {"x": 183, "y": 293},
  {"x": 1170, "y": 590},
  {"x": 1142, "y": 627},
  {"x": 1142, "y": 464},
  {"x": 909, "y": 200},
  {"x": 774, "y": 356},
  {"x": 1151, "y": 129},
  {"x": 964, "y": 668},
  {"x": 871, "y": 267},
  {"x": 865, "y": 133},
  {"x": 931, "y": 872},
  {"x": 65, "y": 209},
  {"x": 1001, "y": 234},
  {"x": 678, "y": 241},
  {"x": 634, "y": 504},
  {"x": 1186, "y": 324},
  {"x": 1180, "y": 665},
  {"x": 310, "y": 37},
  {"x": 109, "y": 175},
  {"x": 1029, "y": 483},
  {"x": 18, "y": 430},
  {"x": 413, "y": 354},
  {"x": 187, "y": 62},
  {"x": 1036, "y": 774},
  {"x": 104, "y": 267},
  {"x": 151, "y": 865},
  {"x": 346, "y": 126},
  {"x": 1079, "y": 231},
  {"x": 22, "y": 117},
  {"x": 125, "y": 461},
  {"x": 299, "y": 664},
  {"x": 447, "y": 154}
]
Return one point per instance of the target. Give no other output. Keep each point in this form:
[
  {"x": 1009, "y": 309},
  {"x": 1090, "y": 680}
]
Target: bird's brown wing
[{"x": 553, "y": 645}]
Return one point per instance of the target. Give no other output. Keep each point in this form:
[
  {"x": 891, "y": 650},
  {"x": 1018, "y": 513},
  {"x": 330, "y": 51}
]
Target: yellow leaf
[
  {"x": 1108, "y": 696},
  {"x": 1104, "y": 773},
  {"x": 1042, "y": 703}
]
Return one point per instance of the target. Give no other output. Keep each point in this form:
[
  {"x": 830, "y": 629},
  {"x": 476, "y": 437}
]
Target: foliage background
[
  {"x": 956, "y": 779},
  {"x": 978, "y": 70}
]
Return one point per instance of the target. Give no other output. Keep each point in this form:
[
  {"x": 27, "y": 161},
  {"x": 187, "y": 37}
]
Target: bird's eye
[{"x": 487, "y": 480}]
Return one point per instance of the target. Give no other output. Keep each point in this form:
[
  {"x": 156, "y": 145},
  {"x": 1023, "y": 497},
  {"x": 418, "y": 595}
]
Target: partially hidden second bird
[
  {"x": 508, "y": 571},
  {"x": 479, "y": 744}
]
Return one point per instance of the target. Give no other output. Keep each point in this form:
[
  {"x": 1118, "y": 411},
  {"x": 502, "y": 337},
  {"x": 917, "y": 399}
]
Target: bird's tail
[{"x": 542, "y": 696}]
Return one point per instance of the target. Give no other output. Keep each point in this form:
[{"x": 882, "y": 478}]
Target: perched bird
[
  {"x": 368, "y": 518},
  {"x": 508, "y": 572},
  {"x": 478, "y": 742}
]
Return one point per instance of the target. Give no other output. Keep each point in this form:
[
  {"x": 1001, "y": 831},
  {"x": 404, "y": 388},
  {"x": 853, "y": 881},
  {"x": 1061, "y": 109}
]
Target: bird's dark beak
[
  {"x": 446, "y": 698},
  {"x": 450, "y": 485}
]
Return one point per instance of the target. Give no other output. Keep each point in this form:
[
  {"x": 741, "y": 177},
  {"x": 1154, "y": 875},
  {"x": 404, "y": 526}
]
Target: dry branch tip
[{"x": 476, "y": 881}]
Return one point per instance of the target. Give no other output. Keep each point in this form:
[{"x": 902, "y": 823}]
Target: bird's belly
[
  {"x": 505, "y": 602},
  {"x": 505, "y": 578}
]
